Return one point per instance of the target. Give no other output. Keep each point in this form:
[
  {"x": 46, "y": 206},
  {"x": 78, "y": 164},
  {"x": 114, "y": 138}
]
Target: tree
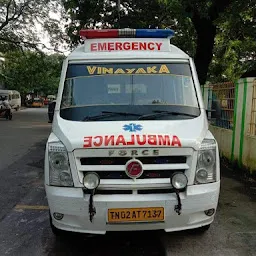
[
  {"x": 192, "y": 20},
  {"x": 203, "y": 15},
  {"x": 19, "y": 21},
  {"x": 32, "y": 71},
  {"x": 218, "y": 26},
  {"x": 235, "y": 45},
  {"x": 98, "y": 13},
  {"x": 206, "y": 29}
]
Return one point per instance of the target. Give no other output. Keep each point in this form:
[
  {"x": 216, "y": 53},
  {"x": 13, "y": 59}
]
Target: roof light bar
[{"x": 124, "y": 33}]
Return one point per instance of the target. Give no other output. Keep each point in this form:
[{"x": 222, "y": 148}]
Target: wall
[
  {"x": 224, "y": 139},
  {"x": 249, "y": 152},
  {"x": 238, "y": 143}
]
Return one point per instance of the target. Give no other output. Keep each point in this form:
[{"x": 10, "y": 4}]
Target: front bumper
[{"x": 74, "y": 204}]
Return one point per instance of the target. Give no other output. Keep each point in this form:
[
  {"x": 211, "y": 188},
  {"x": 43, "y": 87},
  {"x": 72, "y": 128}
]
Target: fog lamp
[
  {"x": 209, "y": 212},
  {"x": 58, "y": 216},
  {"x": 179, "y": 181},
  {"x": 91, "y": 180}
]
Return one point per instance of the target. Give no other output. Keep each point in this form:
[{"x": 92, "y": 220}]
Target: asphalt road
[{"x": 24, "y": 222}]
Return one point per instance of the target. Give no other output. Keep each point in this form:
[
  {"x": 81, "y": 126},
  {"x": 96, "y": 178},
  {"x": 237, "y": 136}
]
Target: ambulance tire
[
  {"x": 57, "y": 232},
  {"x": 200, "y": 230}
]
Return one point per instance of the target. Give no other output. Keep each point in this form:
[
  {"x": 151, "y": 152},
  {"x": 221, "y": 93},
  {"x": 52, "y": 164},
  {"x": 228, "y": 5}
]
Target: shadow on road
[{"x": 118, "y": 243}]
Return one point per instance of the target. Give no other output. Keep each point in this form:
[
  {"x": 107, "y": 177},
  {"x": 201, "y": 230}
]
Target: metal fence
[
  {"x": 252, "y": 127},
  {"x": 221, "y": 102}
]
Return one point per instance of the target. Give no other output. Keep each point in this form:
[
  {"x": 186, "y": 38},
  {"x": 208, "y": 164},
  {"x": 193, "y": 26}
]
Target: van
[
  {"x": 13, "y": 98},
  {"x": 130, "y": 147}
]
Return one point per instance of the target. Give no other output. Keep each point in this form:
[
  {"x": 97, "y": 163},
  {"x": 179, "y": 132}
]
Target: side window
[{"x": 67, "y": 96}]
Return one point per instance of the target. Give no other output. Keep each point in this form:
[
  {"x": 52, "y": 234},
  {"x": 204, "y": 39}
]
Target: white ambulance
[{"x": 130, "y": 147}]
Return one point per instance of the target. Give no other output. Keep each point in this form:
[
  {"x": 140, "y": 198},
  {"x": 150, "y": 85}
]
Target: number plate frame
[{"x": 133, "y": 215}]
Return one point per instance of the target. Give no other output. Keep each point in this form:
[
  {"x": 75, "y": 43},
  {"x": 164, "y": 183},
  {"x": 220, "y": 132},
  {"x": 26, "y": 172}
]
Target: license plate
[{"x": 148, "y": 214}]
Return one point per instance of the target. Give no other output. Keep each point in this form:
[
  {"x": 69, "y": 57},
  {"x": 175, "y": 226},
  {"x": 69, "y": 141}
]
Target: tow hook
[
  {"x": 179, "y": 182},
  {"x": 91, "y": 182},
  {"x": 92, "y": 209},
  {"x": 178, "y": 207}
]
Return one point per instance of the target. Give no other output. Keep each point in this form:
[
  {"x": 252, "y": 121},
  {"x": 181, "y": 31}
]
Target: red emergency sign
[
  {"x": 126, "y": 46},
  {"x": 133, "y": 140}
]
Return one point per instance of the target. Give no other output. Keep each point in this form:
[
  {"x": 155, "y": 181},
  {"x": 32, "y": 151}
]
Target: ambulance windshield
[{"x": 138, "y": 89}]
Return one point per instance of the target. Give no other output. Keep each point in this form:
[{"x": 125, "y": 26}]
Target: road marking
[{"x": 31, "y": 207}]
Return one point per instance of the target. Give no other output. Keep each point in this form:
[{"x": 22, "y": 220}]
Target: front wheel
[
  {"x": 57, "y": 232},
  {"x": 8, "y": 116}
]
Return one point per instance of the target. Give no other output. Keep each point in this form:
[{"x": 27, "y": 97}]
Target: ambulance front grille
[
  {"x": 157, "y": 170},
  {"x": 147, "y": 174},
  {"x": 124, "y": 160},
  {"x": 130, "y": 192}
]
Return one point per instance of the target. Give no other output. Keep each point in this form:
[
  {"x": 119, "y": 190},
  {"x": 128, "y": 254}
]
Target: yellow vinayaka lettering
[
  {"x": 164, "y": 69},
  {"x": 107, "y": 70},
  {"x": 151, "y": 70},
  {"x": 130, "y": 70},
  {"x": 141, "y": 71},
  {"x": 119, "y": 71},
  {"x": 91, "y": 70},
  {"x": 99, "y": 70}
]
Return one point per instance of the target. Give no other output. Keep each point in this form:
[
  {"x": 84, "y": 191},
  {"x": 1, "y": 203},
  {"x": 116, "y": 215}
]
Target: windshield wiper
[
  {"x": 158, "y": 113},
  {"x": 108, "y": 114}
]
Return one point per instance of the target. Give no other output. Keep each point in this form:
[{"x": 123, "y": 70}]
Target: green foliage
[
  {"x": 99, "y": 13},
  {"x": 235, "y": 43},
  {"x": 19, "y": 22},
  {"x": 219, "y": 34},
  {"x": 32, "y": 71},
  {"x": 192, "y": 20}
]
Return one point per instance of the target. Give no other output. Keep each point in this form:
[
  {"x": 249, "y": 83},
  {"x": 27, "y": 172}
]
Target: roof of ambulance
[{"x": 79, "y": 53}]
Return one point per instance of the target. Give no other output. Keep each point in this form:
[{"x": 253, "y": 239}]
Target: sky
[{"x": 45, "y": 37}]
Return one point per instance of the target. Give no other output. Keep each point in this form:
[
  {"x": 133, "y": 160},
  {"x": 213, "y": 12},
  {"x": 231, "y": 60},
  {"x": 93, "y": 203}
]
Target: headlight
[
  {"x": 91, "y": 180},
  {"x": 58, "y": 161},
  {"x": 207, "y": 158},
  {"x": 60, "y": 173},
  {"x": 179, "y": 180},
  {"x": 206, "y": 162}
]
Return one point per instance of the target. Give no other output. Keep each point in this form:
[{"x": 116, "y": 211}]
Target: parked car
[
  {"x": 51, "y": 107},
  {"x": 37, "y": 102}
]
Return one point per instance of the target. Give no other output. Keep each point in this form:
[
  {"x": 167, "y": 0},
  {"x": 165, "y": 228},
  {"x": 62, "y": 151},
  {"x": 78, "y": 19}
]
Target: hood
[{"x": 140, "y": 133}]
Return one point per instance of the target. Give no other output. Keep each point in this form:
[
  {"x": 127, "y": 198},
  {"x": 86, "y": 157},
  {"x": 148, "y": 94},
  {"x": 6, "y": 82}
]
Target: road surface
[{"x": 24, "y": 220}]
